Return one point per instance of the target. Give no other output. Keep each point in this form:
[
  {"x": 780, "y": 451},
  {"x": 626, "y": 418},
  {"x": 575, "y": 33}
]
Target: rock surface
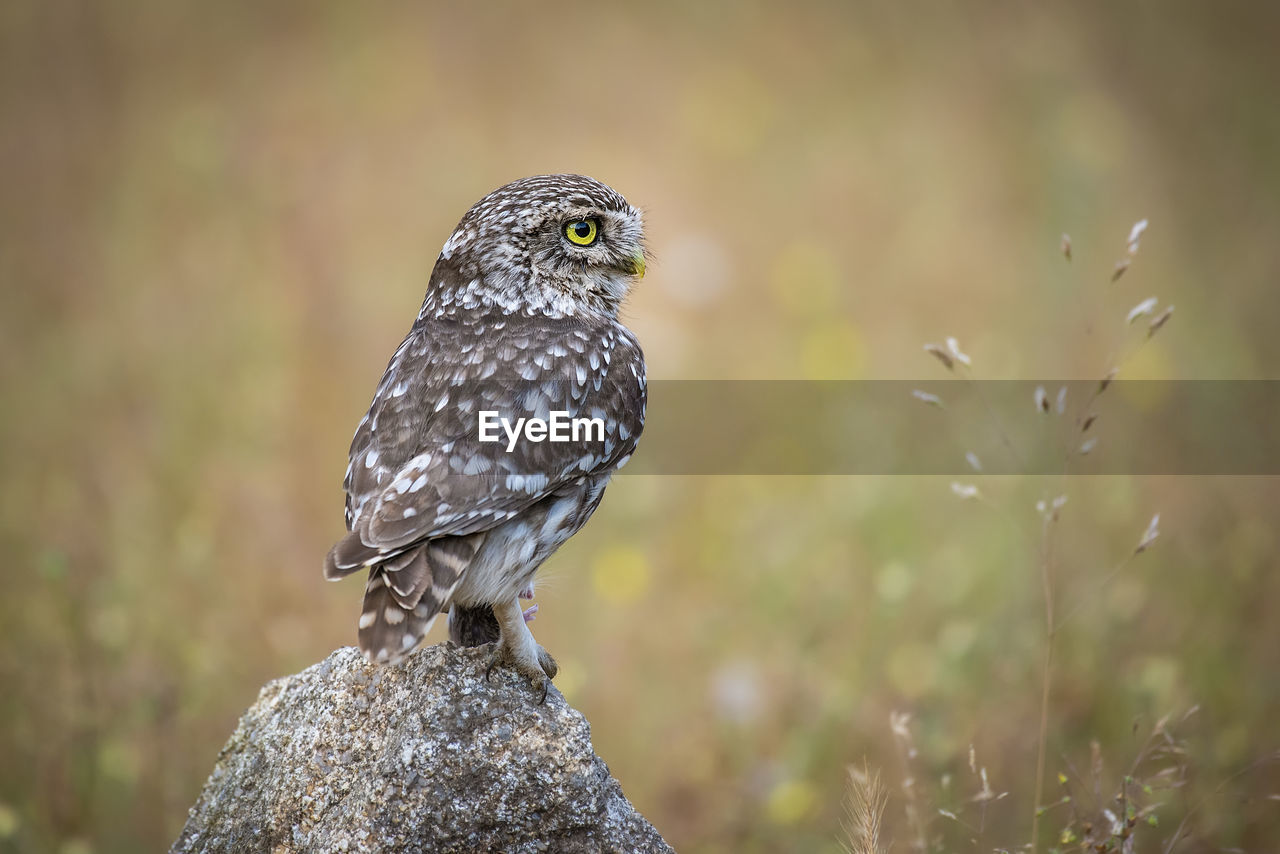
[{"x": 424, "y": 756}]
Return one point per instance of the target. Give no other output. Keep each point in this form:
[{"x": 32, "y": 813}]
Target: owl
[{"x": 469, "y": 469}]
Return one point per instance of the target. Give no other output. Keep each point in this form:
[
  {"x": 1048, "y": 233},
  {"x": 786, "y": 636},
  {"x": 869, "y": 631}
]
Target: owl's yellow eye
[{"x": 582, "y": 232}]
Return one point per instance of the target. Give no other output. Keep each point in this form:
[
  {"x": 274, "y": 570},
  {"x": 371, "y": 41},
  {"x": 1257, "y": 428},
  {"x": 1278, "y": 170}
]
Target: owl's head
[{"x": 551, "y": 244}]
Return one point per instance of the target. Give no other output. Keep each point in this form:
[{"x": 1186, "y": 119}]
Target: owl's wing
[{"x": 419, "y": 469}]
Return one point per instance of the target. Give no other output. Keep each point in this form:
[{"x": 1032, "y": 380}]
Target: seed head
[
  {"x": 1121, "y": 266},
  {"x": 941, "y": 355},
  {"x": 1135, "y": 235},
  {"x": 954, "y": 346},
  {"x": 926, "y": 397},
  {"x": 1159, "y": 320},
  {"x": 1042, "y": 399},
  {"x": 1150, "y": 535},
  {"x": 1143, "y": 308}
]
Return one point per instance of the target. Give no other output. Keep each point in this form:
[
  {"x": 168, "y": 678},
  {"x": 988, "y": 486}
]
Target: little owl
[{"x": 520, "y": 320}]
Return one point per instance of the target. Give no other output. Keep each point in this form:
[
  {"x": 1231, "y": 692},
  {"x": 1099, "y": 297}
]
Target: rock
[{"x": 423, "y": 756}]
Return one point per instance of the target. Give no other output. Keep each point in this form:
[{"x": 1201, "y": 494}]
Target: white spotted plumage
[{"x": 519, "y": 320}]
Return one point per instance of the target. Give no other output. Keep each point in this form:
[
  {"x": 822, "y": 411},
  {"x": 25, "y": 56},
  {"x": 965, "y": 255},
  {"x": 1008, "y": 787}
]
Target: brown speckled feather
[{"x": 521, "y": 322}]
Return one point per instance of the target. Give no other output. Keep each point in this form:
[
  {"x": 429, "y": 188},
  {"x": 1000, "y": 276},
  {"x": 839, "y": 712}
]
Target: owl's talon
[
  {"x": 547, "y": 663},
  {"x": 517, "y": 649},
  {"x": 539, "y": 672}
]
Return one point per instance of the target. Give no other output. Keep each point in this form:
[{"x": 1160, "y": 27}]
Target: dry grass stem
[
  {"x": 1109, "y": 823},
  {"x": 1046, "y": 675},
  {"x": 899, "y": 725}
]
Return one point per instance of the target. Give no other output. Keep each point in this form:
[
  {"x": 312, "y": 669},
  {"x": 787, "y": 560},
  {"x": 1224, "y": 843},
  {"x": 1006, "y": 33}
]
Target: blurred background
[{"x": 217, "y": 223}]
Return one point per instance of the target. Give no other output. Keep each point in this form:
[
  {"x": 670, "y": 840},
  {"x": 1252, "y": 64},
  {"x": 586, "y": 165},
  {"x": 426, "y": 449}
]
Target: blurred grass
[{"x": 218, "y": 222}]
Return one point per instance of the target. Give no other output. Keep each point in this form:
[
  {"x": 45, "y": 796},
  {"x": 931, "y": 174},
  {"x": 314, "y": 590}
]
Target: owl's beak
[{"x": 635, "y": 264}]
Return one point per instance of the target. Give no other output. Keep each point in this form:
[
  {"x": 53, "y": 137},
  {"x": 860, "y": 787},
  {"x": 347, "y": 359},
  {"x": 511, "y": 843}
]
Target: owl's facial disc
[{"x": 552, "y": 244}]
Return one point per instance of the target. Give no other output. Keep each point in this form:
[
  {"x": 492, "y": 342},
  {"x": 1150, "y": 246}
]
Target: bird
[{"x": 519, "y": 321}]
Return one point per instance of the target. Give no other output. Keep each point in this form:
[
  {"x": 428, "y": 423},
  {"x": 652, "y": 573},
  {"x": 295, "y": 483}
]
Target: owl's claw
[
  {"x": 517, "y": 649},
  {"x": 547, "y": 663},
  {"x": 540, "y": 671}
]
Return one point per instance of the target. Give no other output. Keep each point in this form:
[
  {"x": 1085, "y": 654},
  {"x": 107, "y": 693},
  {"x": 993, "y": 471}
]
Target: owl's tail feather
[
  {"x": 350, "y": 554},
  {"x": 405, "y": 594}
]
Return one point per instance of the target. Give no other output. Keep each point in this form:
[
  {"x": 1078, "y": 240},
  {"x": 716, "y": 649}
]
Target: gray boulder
[{"x": 424, "y": 756}]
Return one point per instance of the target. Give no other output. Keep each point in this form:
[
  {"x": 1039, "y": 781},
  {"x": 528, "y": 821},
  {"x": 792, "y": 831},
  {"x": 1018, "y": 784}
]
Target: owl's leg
[
  {"x": 517, "y": 648},
  {"x": 477, "y": 626}
]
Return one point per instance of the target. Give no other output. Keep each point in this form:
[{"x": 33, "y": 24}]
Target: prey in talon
[{"x": 498, "y": 422}]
